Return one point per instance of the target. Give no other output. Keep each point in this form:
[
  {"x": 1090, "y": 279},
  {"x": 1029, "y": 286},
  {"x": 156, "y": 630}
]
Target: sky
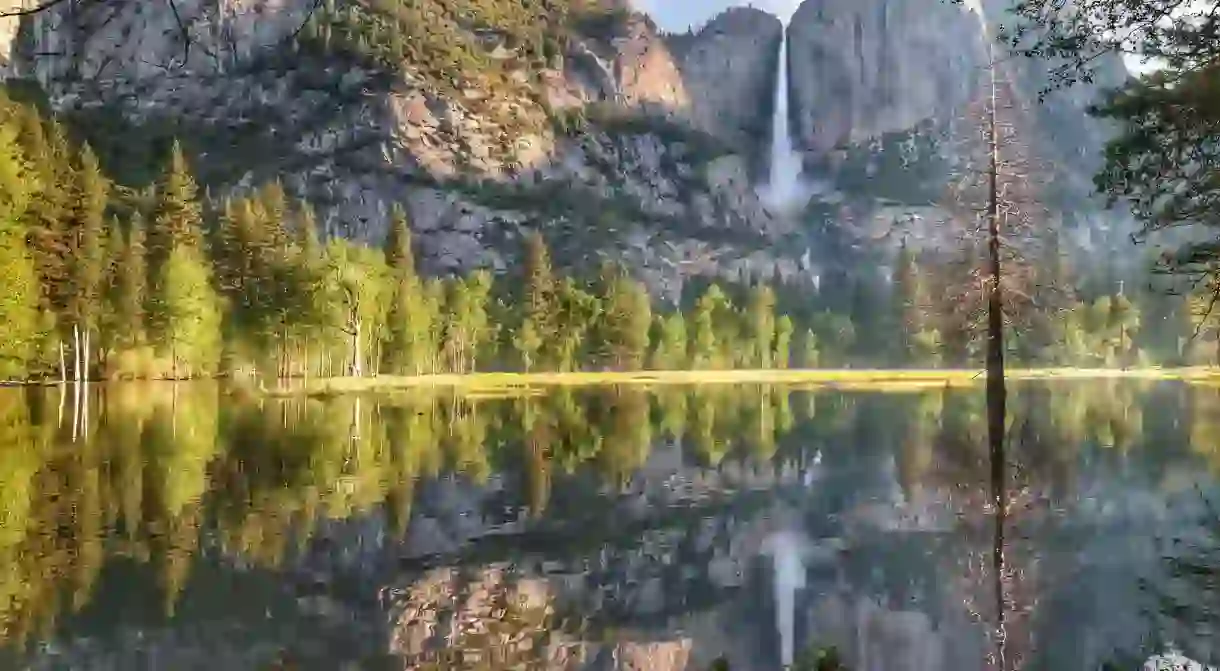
[{"x": 678, "y": 15}]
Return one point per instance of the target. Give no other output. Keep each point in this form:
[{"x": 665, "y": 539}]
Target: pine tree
[
  {"x": 409, "y": 347},
  {"x": 783, "y": 342},
  {"x": 811, "y": 356},
  {"x": 705, "y": 354},
  {"x": 178, "y": 220},
  {"x": 356, "y": 279},
  {"x": 626, "y": 319},
  {"x": 189, "y": 313},
  {"x": 46, "y": 146},
  {"x": 579, "y": 311},
  {"x": 18, "y": 276},
  {"x": 908, "y": 302},
  {"x": 538, "y": 324},
  {"x": 760, "y": 322},
  {"x": 467, "y": 328},
  {"x": 129, "y": 287},
  {"x": 306, "y": 230},
  {"x": 84, "y": 235},
  {"x": 670, "y": 353},
  {"x": 183, "y": 310}
]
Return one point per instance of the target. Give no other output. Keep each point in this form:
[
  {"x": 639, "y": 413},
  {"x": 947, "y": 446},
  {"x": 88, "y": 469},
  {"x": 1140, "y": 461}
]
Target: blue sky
[{"x": 678, "y": 15}]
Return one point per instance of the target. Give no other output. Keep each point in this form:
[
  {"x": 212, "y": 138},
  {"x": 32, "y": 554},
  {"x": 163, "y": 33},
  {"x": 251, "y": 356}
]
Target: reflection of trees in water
[{"x": 160, "y": 466}]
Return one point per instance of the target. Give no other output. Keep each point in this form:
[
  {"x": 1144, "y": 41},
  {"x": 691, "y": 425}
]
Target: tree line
[{"x": 110, "y": 282}]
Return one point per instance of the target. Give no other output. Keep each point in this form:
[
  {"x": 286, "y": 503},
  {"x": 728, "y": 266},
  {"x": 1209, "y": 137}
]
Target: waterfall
[{"x": 784, "y": 190}]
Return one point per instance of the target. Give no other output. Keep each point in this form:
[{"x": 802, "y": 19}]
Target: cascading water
[{"x": 783, "y": 191}]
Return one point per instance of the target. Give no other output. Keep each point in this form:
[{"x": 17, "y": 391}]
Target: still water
[{"x": 186, "y": 527}]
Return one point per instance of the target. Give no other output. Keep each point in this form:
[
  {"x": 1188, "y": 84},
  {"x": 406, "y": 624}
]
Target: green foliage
[
  {"x": 187, "y": 314},
  {"x": 671, "y": 351},
  {"x": 810, "y": 355},
  {"x": 127, "y": 292},
  {"x": 783, "y": 342},
  {"x": 178, "y": 220},
  {"x": 19, "y": 299},
  {"x": 84, "y": 238},
  {"x": 626, "y": 320}
]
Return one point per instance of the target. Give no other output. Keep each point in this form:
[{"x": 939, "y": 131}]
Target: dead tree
[
  {"x": 994, "y": 284},
  {"x": 992, "y": 279}
]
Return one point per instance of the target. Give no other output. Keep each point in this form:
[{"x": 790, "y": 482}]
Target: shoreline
[
  {"x": 896, "y": 379},
  {"x": 846, "y": 379}
]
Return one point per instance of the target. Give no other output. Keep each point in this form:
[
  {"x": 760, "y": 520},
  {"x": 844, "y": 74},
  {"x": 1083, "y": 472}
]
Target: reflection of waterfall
[
  {"x": 784, "y": 191},
  {"x": 787, "y": 556}
]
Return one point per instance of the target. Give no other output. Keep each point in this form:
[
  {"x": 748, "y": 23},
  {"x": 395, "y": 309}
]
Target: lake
[{"x": 193, "y": 527}]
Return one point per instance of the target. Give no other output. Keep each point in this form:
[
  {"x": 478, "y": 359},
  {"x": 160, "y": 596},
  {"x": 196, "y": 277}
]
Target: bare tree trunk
[
  {"x": 996, "y": 392},
  {"x": 63, "y": 395},
  {"x": 76, "y": 353},
  {"x": 357, "y": 359},
  {"x": 63, "y": 365},
  {"x": 88, "y": 353}
]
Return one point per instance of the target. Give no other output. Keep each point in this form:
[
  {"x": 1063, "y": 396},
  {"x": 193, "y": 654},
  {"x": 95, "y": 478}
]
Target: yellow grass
[{"x": 878, "y": 379}]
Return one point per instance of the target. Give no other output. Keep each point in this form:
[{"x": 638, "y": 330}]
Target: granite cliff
[
  {"x": 485, "y": 118},
  {"x": 575, "y": 117},
  {"x": 882, "y": 95}
]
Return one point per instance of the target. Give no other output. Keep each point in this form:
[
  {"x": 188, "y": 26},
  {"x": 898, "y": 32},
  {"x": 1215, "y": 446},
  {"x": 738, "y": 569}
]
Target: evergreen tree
[
  {"x": 1124, "y": 323},
  {"x": 307, "y": 231},
  {"x": 467, "y": 327},
  {"x": 127, "y": 294},
  {"x": 538, "y": 323},
  {"x": 356, "y": 281},
  {"x": 760, "y": 321},
  {"x": 19, "y": 300},
  {"x": 670, "y": 353},
  {"x": 46, "y": 147},
  {"x": 704, "y": 354},
  {"x": 183, "y": 309},
  {"x": 84, "y": 239},
  {"x": 909, "y": 303},
  {"x": 188, "y": 313},
  {"x": 810, "y": 354},
  {"x": 579, "y": 312},
  {"x": 626, "y": 319},
  {"x": 178, "y": 221},
  {"x": 410, "y": 347},
  {"x": 783, "y": 342}
]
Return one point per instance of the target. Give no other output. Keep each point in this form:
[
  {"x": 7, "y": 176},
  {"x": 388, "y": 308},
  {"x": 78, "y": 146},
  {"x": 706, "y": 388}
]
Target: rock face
[
  {"x": 882, "y": 94},
  {"x": 729, "y": 67},
  {"x": 635, "y": 137},
  {"x": 862, "y": 68}
]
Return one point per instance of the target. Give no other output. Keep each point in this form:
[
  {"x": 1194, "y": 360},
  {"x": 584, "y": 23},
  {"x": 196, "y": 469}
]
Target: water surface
[{"x": 186, "y": 526}]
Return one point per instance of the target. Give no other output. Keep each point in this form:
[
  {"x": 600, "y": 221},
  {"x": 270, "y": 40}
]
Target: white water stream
[{"x": 784, "y": 191}]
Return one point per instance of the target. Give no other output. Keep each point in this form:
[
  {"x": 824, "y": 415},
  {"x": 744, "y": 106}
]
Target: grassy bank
[{"x": 880, "y": 379}]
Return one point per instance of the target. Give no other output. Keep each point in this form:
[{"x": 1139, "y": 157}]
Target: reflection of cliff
[
  {"x": 493, "y": 617},
  {"x": 647, "y": 512}
]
